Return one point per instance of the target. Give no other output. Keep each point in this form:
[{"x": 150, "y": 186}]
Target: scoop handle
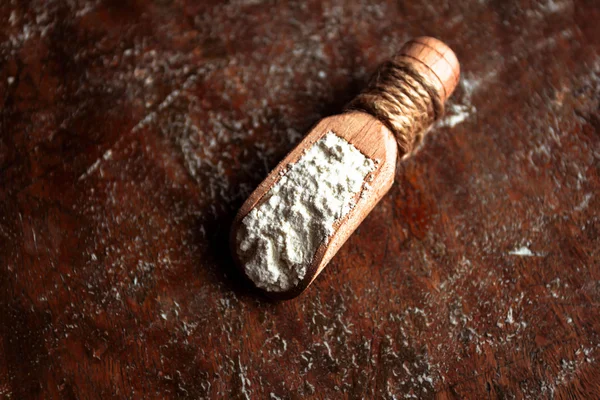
[
  {"x": 408, "y": 92},
  {"x": 436, "y": 62}
]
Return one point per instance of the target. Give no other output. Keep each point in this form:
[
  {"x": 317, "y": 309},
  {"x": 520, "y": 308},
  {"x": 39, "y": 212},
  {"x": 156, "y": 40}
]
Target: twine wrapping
[{"x": 401, "y": 98}]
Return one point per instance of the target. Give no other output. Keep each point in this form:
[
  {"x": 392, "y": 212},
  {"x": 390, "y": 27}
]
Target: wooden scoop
[{"x": 437, "y": 65}]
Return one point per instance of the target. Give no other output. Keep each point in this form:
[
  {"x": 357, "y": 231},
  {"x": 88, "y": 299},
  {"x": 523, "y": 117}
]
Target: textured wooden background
[{"x": 132, "y": 130}]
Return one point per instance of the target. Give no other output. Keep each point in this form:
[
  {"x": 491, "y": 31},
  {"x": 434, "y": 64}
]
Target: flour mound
[{"x": 278, "y": 240}]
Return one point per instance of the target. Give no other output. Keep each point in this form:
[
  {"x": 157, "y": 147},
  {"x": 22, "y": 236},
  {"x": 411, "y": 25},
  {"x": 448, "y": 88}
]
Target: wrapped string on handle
[{"x": 407, "y": 93}]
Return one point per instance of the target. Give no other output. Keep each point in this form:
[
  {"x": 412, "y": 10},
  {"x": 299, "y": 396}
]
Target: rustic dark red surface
[{"x": 131, "y": 131}]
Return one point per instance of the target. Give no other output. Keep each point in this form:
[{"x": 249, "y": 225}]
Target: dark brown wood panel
[{"x": 132, "y": 130}]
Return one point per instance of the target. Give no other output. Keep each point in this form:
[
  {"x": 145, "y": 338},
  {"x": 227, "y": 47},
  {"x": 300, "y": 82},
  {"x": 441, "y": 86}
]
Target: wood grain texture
[
  {"x": 131, "y": 131},
  {"x": 436, "y": 62}
]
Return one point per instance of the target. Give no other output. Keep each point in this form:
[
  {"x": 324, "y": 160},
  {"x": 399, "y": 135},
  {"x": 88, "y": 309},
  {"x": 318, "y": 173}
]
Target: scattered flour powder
[{"x": 278, "y": 240}]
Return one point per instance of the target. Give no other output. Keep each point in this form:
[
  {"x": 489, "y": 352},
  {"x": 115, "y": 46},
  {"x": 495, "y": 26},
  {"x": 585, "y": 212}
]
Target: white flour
[{"x": 278, "y": 239}]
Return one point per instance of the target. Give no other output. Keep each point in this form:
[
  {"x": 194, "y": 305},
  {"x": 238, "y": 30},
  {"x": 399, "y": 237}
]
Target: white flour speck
[{"x": 522, "y": 251}]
